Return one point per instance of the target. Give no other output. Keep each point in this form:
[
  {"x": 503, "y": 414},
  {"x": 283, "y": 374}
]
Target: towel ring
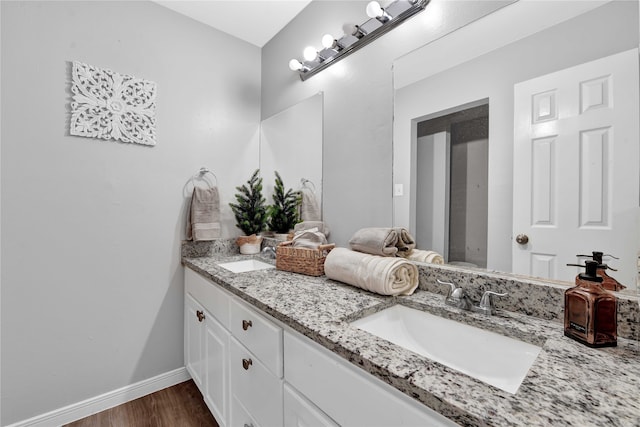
[
  {"x": 305, "y": 181},
  {"x": 201, "y": 175}
]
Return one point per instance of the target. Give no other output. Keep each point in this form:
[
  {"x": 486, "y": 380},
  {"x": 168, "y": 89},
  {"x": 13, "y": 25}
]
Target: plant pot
[{"x": 249, "y": 245}]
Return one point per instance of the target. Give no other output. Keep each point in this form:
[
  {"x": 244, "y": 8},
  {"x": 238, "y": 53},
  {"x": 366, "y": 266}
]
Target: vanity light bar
[{"x": 381, "y": 21}]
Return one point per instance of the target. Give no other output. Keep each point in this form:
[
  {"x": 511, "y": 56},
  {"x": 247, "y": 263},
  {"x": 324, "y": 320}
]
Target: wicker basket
[{"x": 302, "y": 260}]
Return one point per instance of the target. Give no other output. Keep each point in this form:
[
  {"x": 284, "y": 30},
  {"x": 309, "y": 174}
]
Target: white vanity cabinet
[
  {"x": 233, "y": 354},
  {"x": 254, "y": 371},
  {"x": 207, "y": 345}
]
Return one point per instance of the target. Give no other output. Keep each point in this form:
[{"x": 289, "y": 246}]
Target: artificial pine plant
[
  {"x": 250, "y": 210},
  {"x": 284, "y": 213}
]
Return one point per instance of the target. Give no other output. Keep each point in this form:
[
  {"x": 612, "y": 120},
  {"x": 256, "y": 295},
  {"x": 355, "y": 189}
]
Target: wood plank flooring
[{"x": 177, "y": 406}]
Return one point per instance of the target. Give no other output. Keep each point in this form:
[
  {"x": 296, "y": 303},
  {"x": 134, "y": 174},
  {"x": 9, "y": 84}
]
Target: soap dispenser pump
[
  {"x": 590, "y": 311},
  {"x": 608, "y": 282}
]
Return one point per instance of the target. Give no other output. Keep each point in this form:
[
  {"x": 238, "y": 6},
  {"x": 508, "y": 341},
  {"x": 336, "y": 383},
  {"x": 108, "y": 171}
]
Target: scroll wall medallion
[{"x": 109, "y": 105}]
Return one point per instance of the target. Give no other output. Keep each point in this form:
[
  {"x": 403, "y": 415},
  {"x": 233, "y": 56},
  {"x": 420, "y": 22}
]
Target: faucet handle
[
  {"x": 452, "y": 288},
  {"x": 486, "y": 303}
]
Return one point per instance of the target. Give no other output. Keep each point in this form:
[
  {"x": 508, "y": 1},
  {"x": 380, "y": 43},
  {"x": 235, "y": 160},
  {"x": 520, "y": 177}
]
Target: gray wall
[
  {"x": 358, "y": 101},
  {"x": 91, "y": 277}
]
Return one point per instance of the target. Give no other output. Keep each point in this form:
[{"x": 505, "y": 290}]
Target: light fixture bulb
[
  {"x": 310, "y": 53},
  {"x": 295, "y": 65},
  {"x": 328, "y": 41},
  {"x": 374, "y": 10}
]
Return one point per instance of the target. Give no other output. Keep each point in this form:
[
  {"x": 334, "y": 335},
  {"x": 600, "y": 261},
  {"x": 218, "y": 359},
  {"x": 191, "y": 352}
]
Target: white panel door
[{"x": 576, "y": 167}]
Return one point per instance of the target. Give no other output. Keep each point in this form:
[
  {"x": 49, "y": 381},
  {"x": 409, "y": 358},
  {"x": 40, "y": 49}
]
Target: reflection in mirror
[
  {"x": 524, "y": 174},
  {"x": 291, "y": 144},
  {"x": 451, "y": 165}
]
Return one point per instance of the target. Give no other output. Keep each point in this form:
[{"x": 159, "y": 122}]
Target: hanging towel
[
  {"x": 379, "y": 274},
  {"x": 431, "y": 257},
  {"x": 382, "y": 241},
  {"x": 203, "y": 218},
  {"x": 309, "y": 209}
]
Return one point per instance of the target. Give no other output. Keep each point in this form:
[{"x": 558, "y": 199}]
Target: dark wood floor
[{"x": 177, "y": 406}]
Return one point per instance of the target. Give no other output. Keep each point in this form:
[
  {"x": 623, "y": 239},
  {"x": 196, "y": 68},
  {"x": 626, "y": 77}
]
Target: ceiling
[{"x": 255, "y": 21}]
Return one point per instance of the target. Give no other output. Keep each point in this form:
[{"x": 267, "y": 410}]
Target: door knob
[
  {"x": 246, "y": 363},
  {"x": 522, "y": 239}
]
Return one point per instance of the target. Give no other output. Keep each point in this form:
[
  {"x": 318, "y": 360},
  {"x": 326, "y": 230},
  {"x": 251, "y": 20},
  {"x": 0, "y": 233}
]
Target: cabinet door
[
  {"x": 254, "y": 386},
  {"x": 216, "y": 384},
  {"x": 299, "y": 412},
  {"x": 193, "y": 337}
]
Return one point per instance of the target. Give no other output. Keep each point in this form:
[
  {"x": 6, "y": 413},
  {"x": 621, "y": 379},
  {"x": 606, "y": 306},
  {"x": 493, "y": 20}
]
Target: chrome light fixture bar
[{"x": 381, "y": 21}]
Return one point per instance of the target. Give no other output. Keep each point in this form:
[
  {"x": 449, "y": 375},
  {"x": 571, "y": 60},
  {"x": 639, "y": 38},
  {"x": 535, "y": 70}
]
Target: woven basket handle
[{"x": 327, "y": 247}]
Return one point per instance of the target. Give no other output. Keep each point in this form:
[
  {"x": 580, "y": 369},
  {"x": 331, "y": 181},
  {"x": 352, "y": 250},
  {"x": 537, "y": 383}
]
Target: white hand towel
[
  {"x": 203, "y": 218},
  {"x": 309, "y": 209},
  {"x": 383, "y": 275},
  {"x": 419, "y": 255}
]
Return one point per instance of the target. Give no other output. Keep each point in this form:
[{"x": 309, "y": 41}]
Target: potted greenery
[
  {"x": 251, "y": 214},
  {"x": 284, "y": 213}
]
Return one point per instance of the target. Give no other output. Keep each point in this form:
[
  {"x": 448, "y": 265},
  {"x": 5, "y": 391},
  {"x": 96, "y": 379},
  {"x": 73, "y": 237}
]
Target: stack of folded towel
[
  {"x": 203, "y": 218},
  {"x": 379, "y": 261}
]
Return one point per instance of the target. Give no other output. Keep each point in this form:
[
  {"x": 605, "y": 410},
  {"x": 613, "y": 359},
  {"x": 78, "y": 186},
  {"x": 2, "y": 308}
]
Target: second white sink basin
[
  {"x": 246, "y": 265},
  {"x": 487, "y": 356}
]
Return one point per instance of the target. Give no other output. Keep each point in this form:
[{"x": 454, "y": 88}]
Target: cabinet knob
[
  {"x": 246, "y": 363},
  {"x": 200, "y": 315},
  {"x": 246, "y": 324}
]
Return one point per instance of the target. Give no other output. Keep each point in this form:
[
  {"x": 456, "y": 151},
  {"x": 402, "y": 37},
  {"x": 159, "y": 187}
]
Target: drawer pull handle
[
  {"x": 246, "y": 324},
  {"x": 200, "y": 315},
  {"x": 246, "y": 363}
]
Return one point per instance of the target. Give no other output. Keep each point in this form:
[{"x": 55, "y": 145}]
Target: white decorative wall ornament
[{"x": 109, "y": 105}]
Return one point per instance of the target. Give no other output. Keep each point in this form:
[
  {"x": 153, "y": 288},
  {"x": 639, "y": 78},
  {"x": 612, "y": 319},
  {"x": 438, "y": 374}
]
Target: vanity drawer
[
  {"x": 254, "y": 386},
  {"x": 259, "y": 335},
  {"x": 240, "y": 416},
  {"x": 210, "y": 296}
]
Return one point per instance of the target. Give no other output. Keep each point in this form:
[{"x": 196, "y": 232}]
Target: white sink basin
[
  {"x": 489, "y": 357},
  {"x": 245, "y": 265}
]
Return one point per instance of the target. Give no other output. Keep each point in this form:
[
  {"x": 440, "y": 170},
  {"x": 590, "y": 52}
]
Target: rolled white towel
[
  {"x": 379, "y": 274},
  {"x": 420, "y": 255}
]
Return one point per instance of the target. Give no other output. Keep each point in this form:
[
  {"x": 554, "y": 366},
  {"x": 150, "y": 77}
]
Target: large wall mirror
[
  {"x": 291, "y": 144},
  {"x": 519, "y": 151}
]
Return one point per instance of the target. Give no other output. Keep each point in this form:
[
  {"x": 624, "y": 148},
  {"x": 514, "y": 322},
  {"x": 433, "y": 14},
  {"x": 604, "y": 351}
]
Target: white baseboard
[{"x": 108, "y": 400}]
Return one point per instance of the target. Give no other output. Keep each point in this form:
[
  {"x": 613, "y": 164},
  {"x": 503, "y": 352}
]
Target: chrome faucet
[
  {"x": 456, "y": 297},
  {"x": 486, "y": 303},
  {"x": 269, "y": 252}
]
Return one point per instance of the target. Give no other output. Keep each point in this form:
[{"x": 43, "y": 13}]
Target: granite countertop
[{"x": 568, "y": 384}]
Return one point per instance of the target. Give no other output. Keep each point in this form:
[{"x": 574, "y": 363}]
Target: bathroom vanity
[{"x": 268, "y": 347}]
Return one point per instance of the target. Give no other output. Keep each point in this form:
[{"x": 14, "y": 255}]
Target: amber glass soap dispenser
[{"x": 590, "y": 311}]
